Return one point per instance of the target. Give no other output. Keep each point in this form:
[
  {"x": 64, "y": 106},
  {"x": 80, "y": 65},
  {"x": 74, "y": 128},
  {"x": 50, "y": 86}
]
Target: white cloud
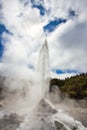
[
  {"x": 61, "y": 76},
  {"x": 67, "y": 44}
]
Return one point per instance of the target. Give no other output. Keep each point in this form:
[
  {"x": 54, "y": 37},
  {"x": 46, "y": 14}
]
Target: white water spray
[
  {"x": 43, "y": 68},
  {"x": 43, "y": 116}
]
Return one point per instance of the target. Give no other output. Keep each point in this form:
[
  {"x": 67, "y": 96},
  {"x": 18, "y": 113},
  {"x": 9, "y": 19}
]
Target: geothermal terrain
[{"x": 22, "y": 108}]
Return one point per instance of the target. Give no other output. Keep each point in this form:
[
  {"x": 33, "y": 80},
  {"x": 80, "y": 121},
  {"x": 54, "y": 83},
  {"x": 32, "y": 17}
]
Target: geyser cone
[
  {"x": 45, "y": 107},
  {"x": 42, "y": 118},
  {"x": 43, "y": 68}
]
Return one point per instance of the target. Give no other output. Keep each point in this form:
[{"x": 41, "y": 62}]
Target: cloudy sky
[{"x": 24, "y": 25}]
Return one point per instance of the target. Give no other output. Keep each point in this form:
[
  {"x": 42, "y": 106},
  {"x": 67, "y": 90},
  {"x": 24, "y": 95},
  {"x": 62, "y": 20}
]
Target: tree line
[{"x": 74, "y": 87}]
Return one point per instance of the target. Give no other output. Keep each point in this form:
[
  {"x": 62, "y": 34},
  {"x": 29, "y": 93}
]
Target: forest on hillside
[{"x": 74, "y": 87}]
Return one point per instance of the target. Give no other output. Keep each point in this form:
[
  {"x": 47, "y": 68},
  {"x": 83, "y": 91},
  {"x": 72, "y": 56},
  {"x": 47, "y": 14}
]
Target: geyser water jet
[
  {"x": 43, "y": 116},
  {"x": 43, "y": 68}
]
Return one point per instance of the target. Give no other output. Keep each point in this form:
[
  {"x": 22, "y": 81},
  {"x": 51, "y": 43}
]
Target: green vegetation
[{"x": 74, "y": 87}]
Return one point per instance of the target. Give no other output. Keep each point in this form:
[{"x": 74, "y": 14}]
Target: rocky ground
[
  {"x": 43, "y": 119},
  {"x": 10, "y": 122},
  {"x": 79, "y": 114}
]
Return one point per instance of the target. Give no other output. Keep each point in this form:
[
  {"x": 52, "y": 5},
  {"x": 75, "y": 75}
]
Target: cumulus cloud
[
  {"x": 70, "y": 46},
  {"x": 67, "y": 43}
]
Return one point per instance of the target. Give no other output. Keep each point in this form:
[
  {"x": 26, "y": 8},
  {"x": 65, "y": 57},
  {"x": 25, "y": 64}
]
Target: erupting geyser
[
  {"x": 44, "y": 115},
  {"x": 43, "y": 68}
]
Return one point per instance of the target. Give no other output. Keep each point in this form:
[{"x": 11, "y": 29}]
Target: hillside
[{"x": 74, "y": 87}]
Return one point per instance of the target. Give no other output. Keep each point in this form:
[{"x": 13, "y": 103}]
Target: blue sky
[
  {"x": 30, "y": 21},
  {"x": 2, "y": 30},
  {"x": 52, "y": 25},
  {"x": 65, "y": 71},
  {"x": 38, "y": 6}
]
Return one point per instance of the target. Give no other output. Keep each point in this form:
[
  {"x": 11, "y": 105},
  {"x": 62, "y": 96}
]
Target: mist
[{"x": 26, "y": 98}]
